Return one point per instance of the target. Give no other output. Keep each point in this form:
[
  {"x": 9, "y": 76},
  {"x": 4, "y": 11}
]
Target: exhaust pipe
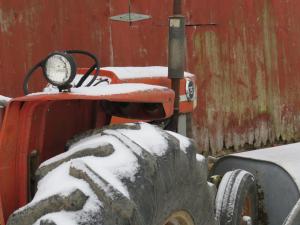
[
  {"x": 176, "y": 59},
  {"x": 177, "y": 7},
  {"x": 176, "y": 47}
]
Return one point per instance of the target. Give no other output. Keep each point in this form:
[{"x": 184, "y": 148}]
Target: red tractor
[{"x": 107, "y": 147}]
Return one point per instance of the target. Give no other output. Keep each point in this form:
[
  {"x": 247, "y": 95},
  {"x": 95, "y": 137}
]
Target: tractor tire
[
  {"x": 134, "y": 174},
  {"x": 236, "y": 201}
]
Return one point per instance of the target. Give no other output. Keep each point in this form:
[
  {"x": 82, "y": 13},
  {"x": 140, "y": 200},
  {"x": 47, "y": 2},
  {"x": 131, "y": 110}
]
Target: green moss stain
[
  {"x": 237, "y": 64},
  {"x": 271, "y": 67},
  {"x": 7, "y": 19}
]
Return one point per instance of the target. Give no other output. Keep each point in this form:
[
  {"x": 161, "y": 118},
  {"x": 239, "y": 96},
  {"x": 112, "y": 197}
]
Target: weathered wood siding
[{"x": 245, "y": 54}]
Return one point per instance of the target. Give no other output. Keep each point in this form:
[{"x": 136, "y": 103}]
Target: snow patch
[
  {"x": 113, "y": 89},
  {"x": 285, "y": 156},
  {"x": 200, "y": 158},
  {"x": 59, "y": 218},
  {"x": 119, "y": 165},
  {"x": 115, "y": 169},
  {"x": 80, "y": 165},
  {"x": 93, "y": 141},
  {"x": 49, "y": 185},
  {"x": 4, "y": 100},
  {"x": 122, "y": 163},
  {"x": 148, "y": 137},
  {"x": 132, "y": 146},
  {"x": 247, "y": 219},
  {"x": 104, "y": 90},
  {"x": 140, "y": 72},
  {"x": 70, "y": 218},
  {"x": 183, "y": 141}
]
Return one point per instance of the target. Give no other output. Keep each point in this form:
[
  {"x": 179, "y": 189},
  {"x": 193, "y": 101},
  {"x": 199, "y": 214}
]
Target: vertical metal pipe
[
  {"x": 177, "y": 7},
  {"x": 176, "y": 60}
]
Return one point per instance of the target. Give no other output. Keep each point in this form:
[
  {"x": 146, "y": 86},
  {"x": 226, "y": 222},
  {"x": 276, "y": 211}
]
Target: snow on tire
[{"x": 125, "y": 174}]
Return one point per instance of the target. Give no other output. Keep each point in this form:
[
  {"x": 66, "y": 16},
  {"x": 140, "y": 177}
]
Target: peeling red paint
[{"x": 245, "y": 54}]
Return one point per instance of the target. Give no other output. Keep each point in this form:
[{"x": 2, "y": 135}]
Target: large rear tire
[{"x": 135, "y": 174}]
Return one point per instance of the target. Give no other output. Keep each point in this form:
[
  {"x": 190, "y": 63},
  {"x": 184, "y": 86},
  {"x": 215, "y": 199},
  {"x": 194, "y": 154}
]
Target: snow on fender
[{"x": 123, "y": 174}]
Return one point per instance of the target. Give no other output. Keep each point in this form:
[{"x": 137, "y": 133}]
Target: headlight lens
[{"x": 60, "y": 69}]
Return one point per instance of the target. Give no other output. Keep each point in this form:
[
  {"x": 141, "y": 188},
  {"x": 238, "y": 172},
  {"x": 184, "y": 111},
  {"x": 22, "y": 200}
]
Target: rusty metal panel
[
  {"x": 247, "y": 68},
  {"x": 30, "y": 29},
  {"x": 245, "y": 54}
]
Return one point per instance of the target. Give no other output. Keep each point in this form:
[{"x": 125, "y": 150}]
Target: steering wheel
[{"x": 64, "y": 61}]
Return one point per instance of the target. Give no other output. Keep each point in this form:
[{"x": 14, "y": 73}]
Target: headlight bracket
[{"x": 65, "y": 59}]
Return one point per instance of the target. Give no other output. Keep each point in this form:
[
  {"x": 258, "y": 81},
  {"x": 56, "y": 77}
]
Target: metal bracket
[{"x": 130, "y": 17}]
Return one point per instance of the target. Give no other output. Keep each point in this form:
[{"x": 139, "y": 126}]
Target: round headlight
[{"x": 60, "y": 69}]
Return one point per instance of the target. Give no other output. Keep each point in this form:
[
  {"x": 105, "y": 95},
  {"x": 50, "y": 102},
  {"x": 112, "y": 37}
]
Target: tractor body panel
[
  {"x": 152, "y": 75},
  {"x": 277, "y": 172},
  {"x": 44, "y": 123},
  {"x": 42, "y": 126},
  {"x": 37, "y": 127}
]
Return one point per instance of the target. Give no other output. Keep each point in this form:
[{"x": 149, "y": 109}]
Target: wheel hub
[{"x": 180, "y": 218}]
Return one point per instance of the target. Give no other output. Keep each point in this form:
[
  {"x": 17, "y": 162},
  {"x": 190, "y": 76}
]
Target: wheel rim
[
  {"x": 246, "y": 216},
  {"x": 180, "y": 218}
]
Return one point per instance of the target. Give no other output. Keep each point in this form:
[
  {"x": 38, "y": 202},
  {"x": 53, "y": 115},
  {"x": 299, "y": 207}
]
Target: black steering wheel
[{"x": 67, "y": 53}]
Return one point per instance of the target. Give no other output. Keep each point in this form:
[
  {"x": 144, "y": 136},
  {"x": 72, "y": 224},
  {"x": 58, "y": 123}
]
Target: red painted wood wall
[{"x": 245, "y": 53}]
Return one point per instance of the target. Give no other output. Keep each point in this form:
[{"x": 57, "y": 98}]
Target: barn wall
[{"x": 245, "y": 54}]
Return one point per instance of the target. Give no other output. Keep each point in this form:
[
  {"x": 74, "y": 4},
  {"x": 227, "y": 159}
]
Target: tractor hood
[
  {"x": 127, "y": 92},
  {"x": 126, "y": 84}
]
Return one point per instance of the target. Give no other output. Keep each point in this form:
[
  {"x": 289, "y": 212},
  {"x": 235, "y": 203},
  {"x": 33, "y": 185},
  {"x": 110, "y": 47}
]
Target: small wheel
[
  {"x": 130, "y": 174},
  {"x": 236, "y": 201},
  {"x": 294, "y": 216}
]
